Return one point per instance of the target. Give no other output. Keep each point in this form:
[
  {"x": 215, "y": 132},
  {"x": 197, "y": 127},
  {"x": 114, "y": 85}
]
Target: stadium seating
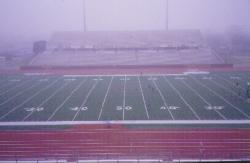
[{"x": 126, "y": 48}]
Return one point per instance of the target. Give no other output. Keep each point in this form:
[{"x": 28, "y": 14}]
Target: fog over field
[{"x": 26, "y": 19}]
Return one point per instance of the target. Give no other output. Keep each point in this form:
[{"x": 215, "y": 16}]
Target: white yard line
[
  {"x": 203, "y": 99},
  {"x": 6, "y": 84},
  {"x": 105, "y": 97},
  {"x": 66, "y": 99},
  {"x": 231, "y": 83},
  {"x": 215, "y": 93},
  {"x": 143, "y": 98},
  {"x": 46, "y": 100},
  {"x": 86, "y": 98},
  {"x": 124, "y": 98},
  {"x": 17, "y": 86},
  {"x": 179, "y": 94},
  {"x": 226, "y": 89},
  {"x": 180, "y": 122},
  {"x": 163, "y": 99},
  {"x": 27, "y": 100},
  {"x": 19, "y": 93}
]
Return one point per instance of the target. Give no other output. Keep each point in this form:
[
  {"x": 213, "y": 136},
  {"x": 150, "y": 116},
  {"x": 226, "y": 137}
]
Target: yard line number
[
  {"x": 169, "y": 108},
  {"x": 84, "y": 108},
  {"x": 34, "y": 109}
]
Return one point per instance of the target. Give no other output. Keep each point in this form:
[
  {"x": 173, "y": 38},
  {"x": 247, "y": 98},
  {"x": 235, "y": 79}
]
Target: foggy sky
[{"x": 26, "y": 19}]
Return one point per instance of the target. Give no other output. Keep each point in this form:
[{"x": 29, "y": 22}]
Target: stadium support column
[
  {"x": 84, "y": 16},
  {"x": 167, "y": 15}
]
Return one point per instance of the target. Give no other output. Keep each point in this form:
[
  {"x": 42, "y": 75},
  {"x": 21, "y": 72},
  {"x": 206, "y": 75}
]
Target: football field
[{"x": 190, "y": 97}]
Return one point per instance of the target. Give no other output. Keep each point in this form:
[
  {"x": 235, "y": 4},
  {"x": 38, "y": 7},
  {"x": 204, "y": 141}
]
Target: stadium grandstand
[
  {"x": 126, "y": 48},
  {"x": 149, "y": 96}
]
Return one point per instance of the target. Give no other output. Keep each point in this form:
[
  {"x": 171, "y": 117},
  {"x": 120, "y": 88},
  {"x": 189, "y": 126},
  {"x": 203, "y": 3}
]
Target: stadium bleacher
[{"x": 126, "y": 48}]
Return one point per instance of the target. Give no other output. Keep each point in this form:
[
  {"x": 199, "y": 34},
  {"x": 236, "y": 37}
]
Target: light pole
[
  {"x": 84, "y": 16},
  {"x": 167, "y": 15}
]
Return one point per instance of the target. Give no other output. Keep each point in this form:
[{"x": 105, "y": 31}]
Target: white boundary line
[
  {"x": 122, "y": 75},
  {"x": 127, "y": 122},
  {"x": 143, "y": 98},
  {"x": 179, "y": 94},
  {"x": 105, "y": 97}
]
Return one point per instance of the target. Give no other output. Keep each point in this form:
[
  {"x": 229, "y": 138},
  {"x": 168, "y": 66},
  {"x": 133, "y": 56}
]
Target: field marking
[
  {"x": 14, "y": 80},
  {"x": 179, "y": 94},
  {"x": 28, "y": 99},
  {"x": 86, "y": 98},
  {"x": 36, "y": 74},
  {"x": 124, "y": 98},
  {"x": 217, "y": 94},
  {"x": 122, "y": 75},
  {"x": 180, "y": 122},
  {"x": 67, "y": 98},
  {"x": 227, "y": 89},
  {"x": 196, "y": 72},
  {"x": 105, "y": 97},
  {"x": 143, "y": 98},
  {"x": 6, "y": 84},
  {"x": 19, "y": 93},
  {"x": 199, "y": 95},
  {"x": 46, "y": 100},
  {"x": 230, "y": 82},
  {"x": 34, "y": 109},
  {"x": 16, "y": 86},
  {"x": 163, "y": 99}
]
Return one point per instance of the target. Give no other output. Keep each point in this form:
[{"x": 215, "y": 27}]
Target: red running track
[{"x": 116, "y": 141}]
